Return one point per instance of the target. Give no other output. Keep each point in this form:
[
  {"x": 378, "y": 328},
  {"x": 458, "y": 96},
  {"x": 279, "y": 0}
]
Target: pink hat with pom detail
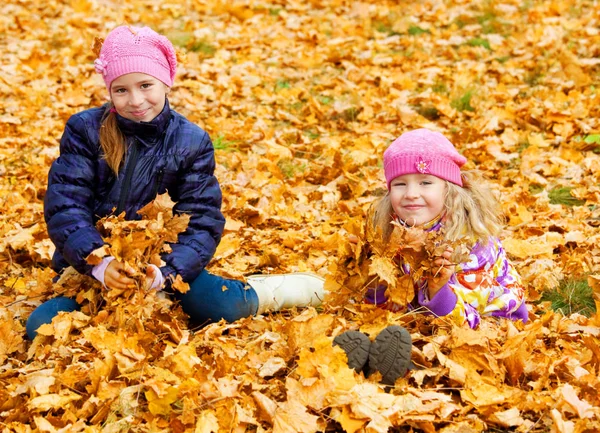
[
  {"x": 130, "y": 49},
  {"x": 425, "y": 152}
]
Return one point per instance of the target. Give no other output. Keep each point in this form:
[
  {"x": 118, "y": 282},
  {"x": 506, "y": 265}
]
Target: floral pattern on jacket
[{"x": 486, "y": 285}]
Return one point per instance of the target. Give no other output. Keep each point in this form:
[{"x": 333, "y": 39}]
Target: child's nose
[
  {"x": 412, "y": 191},
  {"x": 135, "y": 98}
]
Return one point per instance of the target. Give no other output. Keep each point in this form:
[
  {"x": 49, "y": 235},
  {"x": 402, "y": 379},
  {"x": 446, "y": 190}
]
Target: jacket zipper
[
  {"x": 128, "y": 176},
  {"x": 159, "y": 179}
]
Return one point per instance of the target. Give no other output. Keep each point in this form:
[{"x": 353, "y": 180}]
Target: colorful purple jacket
[{"x": 486, "y": 285}]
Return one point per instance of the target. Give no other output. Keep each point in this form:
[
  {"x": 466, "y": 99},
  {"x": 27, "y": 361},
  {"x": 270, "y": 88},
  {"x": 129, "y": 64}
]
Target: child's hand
[
  {"x": 442, "y": 269},
  {"x": 118, "y": 276}
]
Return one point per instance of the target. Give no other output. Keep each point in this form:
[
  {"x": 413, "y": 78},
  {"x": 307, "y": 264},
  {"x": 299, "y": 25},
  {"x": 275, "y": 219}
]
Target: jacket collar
[
  {"x": 146, "y": 132},
  {"x": 436, "y": 223},
  {"x": 433, "y": 225}
]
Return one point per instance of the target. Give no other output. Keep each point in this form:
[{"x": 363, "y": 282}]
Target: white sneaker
[{"x": 279, "y": 291}]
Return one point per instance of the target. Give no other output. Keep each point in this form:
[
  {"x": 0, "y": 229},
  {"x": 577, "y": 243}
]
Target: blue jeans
[{"x": 207, "y": 301}]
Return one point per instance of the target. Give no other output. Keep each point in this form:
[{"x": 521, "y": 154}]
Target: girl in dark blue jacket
[{"x": 117, "y": 158}]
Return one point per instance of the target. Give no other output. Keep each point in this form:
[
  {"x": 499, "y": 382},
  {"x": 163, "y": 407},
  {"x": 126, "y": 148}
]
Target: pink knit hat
[
  {"x": 133, "y": 49},
  {"x": 422, "y": 151}
]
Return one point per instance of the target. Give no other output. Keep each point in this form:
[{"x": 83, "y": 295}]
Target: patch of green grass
[
  {"x": 416, "y": 30},
  {"x": 534, "y": 77},
  {"x": 180, "y": 38},
  {"x": 593, "y": 138},
  {"x": 282, "y": 84},
  {"x": 325, "y": 100},
  {"x": 522, "y": 146},
  {"x": 221, "y": 143},
  {"x": 502, "y": 59},
  {"x": 312, "y": 133},
  {"x": 463, "y": 102},
  {"x": 296, "y": 106},
  {"x": 480, "y": 42},
  {"x": 202, "y": 46},
  {"x": 289, "y": 167},
  {"x": 562, "y": 195},
  {"x": 489, "y": 21},
  {"x": 591, "y": 142},
  {"x": 535, "y": 188},
  {"x": 275, "y": 11},
  {"x": 514, "y": 163},
  {"x": 440, "y": 88},
  {"x": 384, "y": 27},
  {"x": 571, "y": 296},
  {"x": 460, "y": 22},
  {"x": 487, "y": 15},
  {"x": 429, "y": 112}
]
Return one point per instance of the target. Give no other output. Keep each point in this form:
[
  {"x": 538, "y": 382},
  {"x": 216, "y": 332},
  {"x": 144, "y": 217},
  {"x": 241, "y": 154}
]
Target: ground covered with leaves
[{"x": 301, "y": 99}]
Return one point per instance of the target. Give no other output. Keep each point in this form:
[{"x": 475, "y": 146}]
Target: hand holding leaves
[{"x": 440, "y": 271}]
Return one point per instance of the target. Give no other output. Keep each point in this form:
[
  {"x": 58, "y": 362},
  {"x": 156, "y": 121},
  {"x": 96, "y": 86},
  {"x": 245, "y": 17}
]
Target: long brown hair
[
  {"x": 112, "y": 140},
  {"x": 472, "y": 211}
]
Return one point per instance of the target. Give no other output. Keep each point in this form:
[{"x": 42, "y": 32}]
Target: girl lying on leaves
[
  {"x": 428, "y": 191},
  {"x": 117, "y": 158}
]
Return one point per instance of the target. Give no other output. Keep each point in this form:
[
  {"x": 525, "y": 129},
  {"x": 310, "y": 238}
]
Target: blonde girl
[{"x": 428, "y": 190}]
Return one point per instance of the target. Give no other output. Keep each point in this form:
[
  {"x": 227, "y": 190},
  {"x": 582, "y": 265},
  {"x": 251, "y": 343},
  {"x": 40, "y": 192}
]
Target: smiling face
[
  {"x": 417, "y": 198},
  {"x": 138, "y": 97}
]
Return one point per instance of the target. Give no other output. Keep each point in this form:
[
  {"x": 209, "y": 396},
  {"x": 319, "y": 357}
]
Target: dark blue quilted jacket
[{"x": 167, "y": 154}]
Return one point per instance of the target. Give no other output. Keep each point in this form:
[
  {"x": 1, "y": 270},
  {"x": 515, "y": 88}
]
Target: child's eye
[
  {"x": 146, "y": 85},
  {"x": 119, "y": 90},
  {"x": 426, "y": 182}
]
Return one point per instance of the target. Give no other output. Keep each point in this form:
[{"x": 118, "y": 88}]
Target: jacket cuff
[
  {"x": 99, "y": 269},
  {"x": 442, "y": 303},
  {"x": 167, "y": 272}
]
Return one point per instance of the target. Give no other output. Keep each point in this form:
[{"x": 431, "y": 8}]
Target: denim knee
[
  {"x": 212, "y": 298},
  {"x": 46, "y": 311}
]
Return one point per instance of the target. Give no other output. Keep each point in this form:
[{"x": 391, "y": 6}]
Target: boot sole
[
  {"x": 357, "y": 346},
  {"x": 390, "y": 354}
]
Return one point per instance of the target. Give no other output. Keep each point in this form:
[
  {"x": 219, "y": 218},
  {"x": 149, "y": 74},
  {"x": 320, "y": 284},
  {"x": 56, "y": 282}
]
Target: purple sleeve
[
  {"x": 521, "y": 313},
  {"x": 442, "y": 303},
  {"x": 376, "y": 295}
]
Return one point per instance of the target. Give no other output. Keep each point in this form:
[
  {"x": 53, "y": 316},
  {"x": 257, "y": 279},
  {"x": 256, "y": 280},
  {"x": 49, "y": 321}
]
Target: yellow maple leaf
[
  {"x": 207, "y": 422},
  {"x": 292, "y": 417},
  {"x": 349, "y": 422},
  {"x": 48, "y": 402},
  {"x": 403, "y": 292},
  {"x": 384, "y": 268},
  {"x": 161, "y": 405}
]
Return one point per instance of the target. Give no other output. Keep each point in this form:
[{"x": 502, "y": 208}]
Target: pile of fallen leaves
[
  {"x": 371, "y": 260},
  {"x": 301, "y": 99}
]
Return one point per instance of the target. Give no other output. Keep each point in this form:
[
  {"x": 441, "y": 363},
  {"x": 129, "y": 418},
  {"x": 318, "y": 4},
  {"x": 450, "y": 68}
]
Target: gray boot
[
  {"x": 357, "y": 346},
  {"x": 389, "y": 354}
]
